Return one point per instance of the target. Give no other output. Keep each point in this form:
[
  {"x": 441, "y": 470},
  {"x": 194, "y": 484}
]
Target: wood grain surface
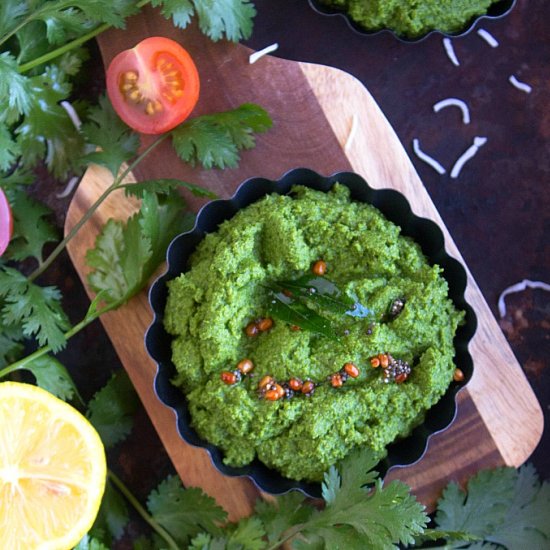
[{"x": 314, "y": 108}]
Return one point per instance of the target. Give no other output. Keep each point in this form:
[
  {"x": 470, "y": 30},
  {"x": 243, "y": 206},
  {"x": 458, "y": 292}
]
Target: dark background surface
[{"x": 498, "y": 210}]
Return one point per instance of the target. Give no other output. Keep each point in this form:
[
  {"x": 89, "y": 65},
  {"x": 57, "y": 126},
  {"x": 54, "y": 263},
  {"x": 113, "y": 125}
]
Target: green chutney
[
  {"x": 412, "y": 18},
  {"x": 226, "y": 287}
]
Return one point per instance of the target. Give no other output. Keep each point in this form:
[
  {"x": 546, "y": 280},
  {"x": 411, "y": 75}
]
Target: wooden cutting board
[{"x": 314, "y": 109}]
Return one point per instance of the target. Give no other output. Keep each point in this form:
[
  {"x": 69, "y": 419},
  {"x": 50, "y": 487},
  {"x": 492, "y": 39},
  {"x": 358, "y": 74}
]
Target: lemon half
[{"x": 52, "y": 470}]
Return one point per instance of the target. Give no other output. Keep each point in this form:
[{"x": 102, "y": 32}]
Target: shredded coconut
[
  {"x": 520, "y": 85},
  {"x": 352, "y": 132},
  {"x": 488, "y": 37},
  {"x": 454, "y": 102},
  {"x": 450, "y": 51},
  {"x": 73, "y": 115},
  {"x": 426, "y": 158},
  {"x": 519, "y": 287},
  {"x": 257, "y": 55},
  {"x": 68, "y": 189},
  {"x": 467, "y": 155}
]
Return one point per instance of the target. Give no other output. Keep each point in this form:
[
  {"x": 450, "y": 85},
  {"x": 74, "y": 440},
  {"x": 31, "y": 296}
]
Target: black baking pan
[
  {"x": 397, "y": 209},
  {"x": 495, "y": 11}
]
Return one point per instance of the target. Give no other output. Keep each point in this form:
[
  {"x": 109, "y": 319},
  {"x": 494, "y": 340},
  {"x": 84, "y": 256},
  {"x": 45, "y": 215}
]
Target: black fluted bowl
[
  {"x": 397, "y": 209},
  {"x": 495, "y": 11}
]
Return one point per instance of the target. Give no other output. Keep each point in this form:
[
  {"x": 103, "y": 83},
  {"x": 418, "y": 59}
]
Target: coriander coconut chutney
[
  {"x": 411, "y": 18},
  {"x": 306, "y": 326}
]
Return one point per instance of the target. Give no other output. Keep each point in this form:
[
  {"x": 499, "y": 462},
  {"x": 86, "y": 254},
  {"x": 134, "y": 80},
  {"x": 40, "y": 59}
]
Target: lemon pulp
[{"x": 52, "y": 470}]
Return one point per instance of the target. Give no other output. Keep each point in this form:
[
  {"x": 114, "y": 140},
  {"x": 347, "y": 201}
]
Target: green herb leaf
[
  {"x": 11, "y": 343},
  {"x": 353, "y": 518},
  {"x": 248, "y": 535},
  {"x": 287, "y": 511},
  {"x": 14, "y": 89},
  {"x": 11, "y": 13},
  {"x": 125, "y": 256},
  {"x": 90, "y": 543},
  {"x": 204, "y": 541},
  {"x": 164, "y": 186},
  {"x": 215, "y": 140},
  {"x": 47, "y": 130},
  {"x": 184, "y": 513},
  {"x": 31, "y": 230},
  {"x": 294, "y": 312},
  {"x": 9, "y": 148},
  {"x": 180, "y": 11},
  {"x": 325, "y": 294},
  {"x": 51, "y": 375},
  {"x": 112, "y": 408},
  {"x": 232, "y": 19},
  {"x": 113, "y": 515},
  {"x": 503, "y": 506},
  {"x": 36, "y": 309},
  {"x": 117, "y": 142}
]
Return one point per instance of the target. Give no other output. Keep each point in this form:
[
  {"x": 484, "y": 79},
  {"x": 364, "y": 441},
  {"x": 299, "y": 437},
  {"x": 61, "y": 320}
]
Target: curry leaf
[{"x": 297, "y": 313}]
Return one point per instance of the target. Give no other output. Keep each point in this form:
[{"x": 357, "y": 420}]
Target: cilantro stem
[
  {"x": 21, "y": 364},
  {"x": 77, "y": 42},
  {"x": 62, "y": 49},
  {"x": 141, "y": 510},
  {"x": 287, "y": 535},
  {"x": 117, "y": 183}
]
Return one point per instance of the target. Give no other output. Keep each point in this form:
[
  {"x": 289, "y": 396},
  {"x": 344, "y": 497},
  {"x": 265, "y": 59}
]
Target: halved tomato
[
  {"x": 6, "y": 222},
  {"x": 153, "y": 86}
]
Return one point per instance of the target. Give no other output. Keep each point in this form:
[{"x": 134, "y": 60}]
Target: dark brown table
[{"x": 497, "y": 210}]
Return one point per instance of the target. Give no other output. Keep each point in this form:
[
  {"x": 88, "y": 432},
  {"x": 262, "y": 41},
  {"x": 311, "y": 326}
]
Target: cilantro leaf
[
  {"x": 31, "y": 230},
  {"x": 116, "y": 141},
  {"x": 11, "y": 13},
  {"x": 112, "y": 408},
  {"x": 19, "y": 176},
  {"x": 125, "y": 256},
  {"x": 14, "y": 89},
  {"x": 164, "y": 186},
  {"x": 32, "y": 41},
  {"x": 65, "y": 20},
  {"x": 230, "y": 18},
  {"x": 180, "y": 11},
  {"x": 113, "y": 515},
  {"x": 248, "y": 535},
  {"x": 482, "y": 508},
  {"x": 215, "y": 140},
  {"x": 36, "y": 309},
  {"x": 184, "y": 513},
  {"x": 51, "y": 375},
  {"x": 287, "y": 511},
  {"x": 9, "y": 149},
  {"x": 366, "y": 518},
  {"x": 11, "y": 346},
  {"x": 46, "y": 129},
  {"x": 90, "y": 543},
  {"x": 504, "y": 506}
]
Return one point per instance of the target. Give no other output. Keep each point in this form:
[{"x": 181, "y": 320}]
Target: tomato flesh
[
  {"x": 154, "y": 86},
  {"x": 6, "y": 222}
]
